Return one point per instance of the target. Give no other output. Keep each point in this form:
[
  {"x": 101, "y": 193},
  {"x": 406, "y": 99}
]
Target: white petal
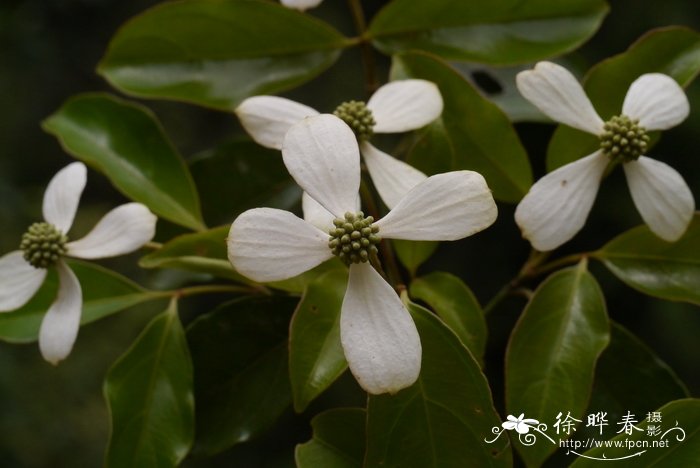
[
  {"x": 661, "y": 196},
  {"x": 63, "y": 194},
  {"x": 522, "y": 428},
  {"x": 657, "y": 101},
  {"x": 555, "y": 91},
  {"x": 123, "y": 230},
  {"x": 19, "y": 281},
  {"x": 446, "y": 206},
  {"x": 266, "y": 244},
  {"x": 378, "y": 335},
  {"x": 267, "y": 119},
  {"x": 405, "y": 105},
  {"x": 557, "y": 206},
  {"x": 392, "y": 178},
  {"x": 321, "y": 154},
  {"x": 61, "y": 323},
  {"x": 508, "y": 425},
  {"x": 301, "y": 5},
  {"x": 317, "y": 215}
]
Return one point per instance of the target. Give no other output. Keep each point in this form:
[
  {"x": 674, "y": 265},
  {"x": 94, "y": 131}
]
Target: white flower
[
  {"x": 522, "y": 426},
  {"x": 301, "y": 5},
  {"x": 22, "y": 272},
  {"x": 556, "y": 207},
  {"x": 378, "y": 336},
  {"x": 396, "y": 107}
]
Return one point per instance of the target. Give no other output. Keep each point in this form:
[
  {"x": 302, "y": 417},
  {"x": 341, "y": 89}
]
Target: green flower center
[
  {"x": 43, "y": 244},
  {"x": 354, "y": 239},
  {"x": 358, "y": 117},
  {"x": 623, "y": 139}
]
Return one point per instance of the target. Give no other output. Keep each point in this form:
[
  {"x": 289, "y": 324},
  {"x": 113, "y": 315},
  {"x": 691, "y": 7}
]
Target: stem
[
  {"x": 392, "y": 268},
  {"x": 563, "y": 261},
  {"x": 212, "y": 288},
  {"x": 153, "y": 245},
  {"x": 533, "y": 261},
  {"x": 358, "y": 17},
  {"x": 532, "y": 268}
]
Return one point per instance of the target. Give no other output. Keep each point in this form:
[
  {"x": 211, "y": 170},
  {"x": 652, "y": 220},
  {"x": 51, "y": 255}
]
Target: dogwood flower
[
  {"x": 378, "y": 336},
  {"x": 556, "y": 207},
  {"x": 301, "y": 5},
  {"x": 398, "y": 106},
  {"x": 43, "y": 246},
  {"x": 521, "y": 425}
]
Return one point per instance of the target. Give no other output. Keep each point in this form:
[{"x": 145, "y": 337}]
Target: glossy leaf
[
  {"x": 240, "y": 359},
  {"x": 202, "y": 252},
  {"x": 498, "y": 84},
  {"x": 338, "y": 440},
  {"x": 674, "y": 51},
  {"x": 217, "y": 53},
  {"x": 299, "y": 283},
  {"x": 316, "y": 357},
  {"x": 443, "y": 419},
  {"x": 680, "y": 426},
  {"x": 240, "y": 175},
  {"x": 104, "y": 292},
  {"x": 456, "y": 305},
  {"x": 656, "y": 267},
  {"x": 476, "y": 132},
  {"x": 496, "y": 32},
  {"x": 412, "y": 254},
  {"x": 553, "y": 351},
  {"x": 622, "y": 368},
  {"x": 125, "y": 142},
  {"x": 149, "y": 391}
]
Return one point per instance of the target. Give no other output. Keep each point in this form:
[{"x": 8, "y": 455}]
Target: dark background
[{"x": 56, "y": 417}]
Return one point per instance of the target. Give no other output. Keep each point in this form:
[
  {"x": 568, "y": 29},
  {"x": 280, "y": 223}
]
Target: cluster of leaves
[{"x": 231, "y": 373}]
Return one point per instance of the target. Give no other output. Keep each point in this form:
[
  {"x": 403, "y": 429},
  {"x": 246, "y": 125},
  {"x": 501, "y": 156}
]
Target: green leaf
[
  {"x": 654, "y": 266},
  {"x": 443, "y": 419},
  {"x": 104, "y": 292},
  {"x": 240, "y": 359},
  {"x": 674, "y": 51},
  {"x": 316, "y": 358},
  {"x": 680, "y": 428},
  {"x": 501, "y": 89},
  {"x": 496, "y": 31},
  {"x": 412, "y": 254},
  {"x": 338, "y": 440},
  {"x": 553, "y": 351},
  {"x": 126, "y": 143},
  {"x": 240, "y": 175},
  {"x": 150, "y": 398},
  {"x": 456, "y": 305},
  {"x": 217, "y": 53},
  {"x": 476, "y": 132},
  {"x": 298, "y": 283},
  {"x": 624, "y": 364},
  {"x": 201, "y": 252}
]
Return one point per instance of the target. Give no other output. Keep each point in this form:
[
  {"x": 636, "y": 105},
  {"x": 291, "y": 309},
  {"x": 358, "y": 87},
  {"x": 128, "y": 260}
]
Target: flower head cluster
[
  {"x": 399, "y": 106},
  {"x": 45, "y": 244},
  {"x": 378, "y": 336},
  {"x": 556, "y": 207}
]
